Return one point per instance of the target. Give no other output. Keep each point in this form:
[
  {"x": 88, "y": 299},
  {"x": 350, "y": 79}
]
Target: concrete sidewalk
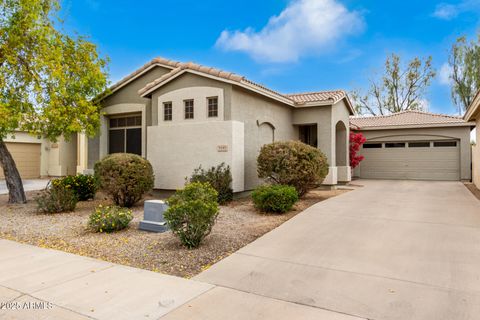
[
  {"x": 37, "y": 283},
  {"x": 28, "y": 185}
]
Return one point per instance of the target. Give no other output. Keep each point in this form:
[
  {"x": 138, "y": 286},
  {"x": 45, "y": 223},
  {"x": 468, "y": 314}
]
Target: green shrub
[
  {"x": 109, "y": 219},
  {"x": 55, "y": 199},
  {"x": 125, "y": 177},
  {"x": 219, "y": 177},
  {"x": 192, "y": 213},
  {"x": 292, "y": 163},
  {"x": 84, "y": 186},
  {"x": 274, "y": 198}
]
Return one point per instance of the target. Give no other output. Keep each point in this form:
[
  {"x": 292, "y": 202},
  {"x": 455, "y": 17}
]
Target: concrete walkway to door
[{"x": 389, "y": 250}]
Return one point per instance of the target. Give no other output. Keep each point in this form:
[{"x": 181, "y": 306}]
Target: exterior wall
[
  {"x": 188, "y": 86},
  {"x": 176, "y": 149},
  {"x": 125, "y": 100},
  {"x": 264, "y": 120},
  {"x": 476, "y": 156},
  {"x": 460, "y": 133},
  {"x": 56, "y": 159}
]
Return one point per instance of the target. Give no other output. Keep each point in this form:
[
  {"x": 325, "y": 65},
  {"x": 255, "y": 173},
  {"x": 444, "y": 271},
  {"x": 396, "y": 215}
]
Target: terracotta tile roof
[
  {"x": 157, "y": 61},
  {"x": 320, "y": 96},
  {"x": 410, "y": 118}
]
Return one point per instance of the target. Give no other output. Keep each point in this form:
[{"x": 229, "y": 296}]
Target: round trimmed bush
[
  {"x": 56, "y": 199},
  {"x": 192, "y": 213},
  {"x": 292, "y": 163},
  {"x": 84, "y": 186},
  {"x": 109, "y": 219},
  {"x": 274, "y": 198},
  {"x": 125, "y": 177},
  {"x": 219, "y": 177}
]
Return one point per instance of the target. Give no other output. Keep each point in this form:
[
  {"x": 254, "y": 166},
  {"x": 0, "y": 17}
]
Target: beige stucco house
[
  {"x": 473, "y": 114},
  {"x": 38, "y": 157},
  {"x": 414, "y": 145},
  {"x": 182, "y": 115}
]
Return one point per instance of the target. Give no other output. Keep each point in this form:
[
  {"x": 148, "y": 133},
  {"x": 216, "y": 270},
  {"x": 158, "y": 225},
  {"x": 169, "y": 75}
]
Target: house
[
  {"x": 473, "y": 114},
  {"x": 38, "y": 157},
  {"x": 414, "y": 145},
  {"x": 183, "y": 115}
]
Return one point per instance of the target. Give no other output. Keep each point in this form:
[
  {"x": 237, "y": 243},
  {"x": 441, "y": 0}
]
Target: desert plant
[
  {"x": 219, "y": 177},
  {"x": 125, "y": 177},
  {"x": 84, "y": 186},
  {"x": 292, "y": 163},
  {"x": 109, "y": 219},
  {"x": 55, "y": 199},
  {"x": 192, "y": 213},
  {"x": 274, "y": 198}
]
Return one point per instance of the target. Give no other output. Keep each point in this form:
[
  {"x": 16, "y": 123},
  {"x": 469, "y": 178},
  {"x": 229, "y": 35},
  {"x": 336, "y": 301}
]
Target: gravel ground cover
[{"x": 237, "y": 225}]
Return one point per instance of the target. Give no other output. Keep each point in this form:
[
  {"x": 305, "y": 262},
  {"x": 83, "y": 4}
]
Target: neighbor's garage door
[
  {"x": 419, "y": 160},
  {"x": 27, "y": 158}
]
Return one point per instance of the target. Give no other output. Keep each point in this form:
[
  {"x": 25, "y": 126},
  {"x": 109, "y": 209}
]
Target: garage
[
  {"x": 414, "y": 145},
  {"x": 27, "y": 157}
]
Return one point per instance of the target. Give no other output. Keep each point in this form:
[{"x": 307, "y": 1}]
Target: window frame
[
  {"x": 185, "y": 112},
  {"x": 165, "y": 114},
  {"x": 215, "y": 111},
  {"x": 137, "y": 119},
  {"x": 395, "y": 145},
  {"x": 372, "y": 144},
  {"x": 417, "y": 144},
  {"x": 438, "y": 144}
]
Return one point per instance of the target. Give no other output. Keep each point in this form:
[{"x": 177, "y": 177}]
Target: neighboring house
[
  {"x": 38, "y": 157},
  {"x": 473, "y": 114},
  {"x": 183, "y": 115},
  {"x": 414, "y": 145}
]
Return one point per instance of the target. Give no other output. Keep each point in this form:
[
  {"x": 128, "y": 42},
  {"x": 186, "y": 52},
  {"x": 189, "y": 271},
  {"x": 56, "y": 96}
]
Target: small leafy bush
[
  {"x": 109, "y": 219},
  {"x": 275, "y": 198},
  {"x": 219, "y": 177},
  {"x": 84, "y": 186},
  {"x": 56, "y": 199},
  {"x": 292, "y": 163},
  {"x": 125, "y": 177},
  {"x": 192, "y": 213}
]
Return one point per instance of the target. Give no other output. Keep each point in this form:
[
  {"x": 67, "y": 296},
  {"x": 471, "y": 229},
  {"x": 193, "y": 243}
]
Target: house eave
[{"x": 416, "y": 126}]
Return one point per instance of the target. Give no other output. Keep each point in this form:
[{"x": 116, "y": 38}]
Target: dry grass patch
[{"x": 237, "y": 225}]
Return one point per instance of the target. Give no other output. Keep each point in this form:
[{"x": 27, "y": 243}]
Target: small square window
[
  {"x": 445, "y": 144},
  {"x": 395, "y": 145},
  {"x": 372, "y": 145},
  {"x": 189, "y": 109},
  {"x": 419, "y": 144},
  {"x": 167, "y": 111},
  {"x": 113, "y": 123},
  {"x": 212, "y": 107}
]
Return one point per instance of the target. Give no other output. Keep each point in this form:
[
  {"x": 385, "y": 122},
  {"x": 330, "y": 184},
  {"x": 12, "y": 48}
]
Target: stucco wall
[
  {"x": 476, "y": 156},
  {"x": 460, "y": 133},
  {"x": 176, "y": 149},
  {"x": 249, "y": 108},
  {"x": 185, "y": 83}
]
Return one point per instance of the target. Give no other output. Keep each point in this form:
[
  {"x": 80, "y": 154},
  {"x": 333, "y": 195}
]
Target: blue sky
[{"x": 289, "y": 46}]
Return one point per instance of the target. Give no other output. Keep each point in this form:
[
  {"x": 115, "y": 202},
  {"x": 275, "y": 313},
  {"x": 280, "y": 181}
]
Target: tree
[
  {"x": 400, "y": 88},
  {"x": 47, "y": 80},
  {"x": 356, "y": 142},
  {"x": 464, "y": 62}
]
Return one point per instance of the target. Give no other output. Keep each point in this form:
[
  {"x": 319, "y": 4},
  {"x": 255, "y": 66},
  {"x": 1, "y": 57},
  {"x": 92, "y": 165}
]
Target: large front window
[{"x": 125, "y": 134}]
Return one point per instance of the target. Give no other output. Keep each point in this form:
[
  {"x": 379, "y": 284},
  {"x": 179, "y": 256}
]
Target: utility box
[{"x": 153, "y": 220}]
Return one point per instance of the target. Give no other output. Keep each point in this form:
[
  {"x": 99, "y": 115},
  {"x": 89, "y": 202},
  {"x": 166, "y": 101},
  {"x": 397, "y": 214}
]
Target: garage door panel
[
  {"x": 424, "y": 163},
  {"x": 27, "y": 159}
]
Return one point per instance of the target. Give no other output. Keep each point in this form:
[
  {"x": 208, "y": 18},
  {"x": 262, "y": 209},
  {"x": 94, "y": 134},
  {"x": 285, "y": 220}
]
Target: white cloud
[
  {"x": 303, "y": 27},
  {"x": 444, "y": 74},
  {"x": 448, "y": 11}
]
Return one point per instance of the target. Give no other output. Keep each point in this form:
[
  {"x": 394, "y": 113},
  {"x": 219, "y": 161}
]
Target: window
[
  {"x": 188, "y": 109},
  {"x": 395, "y": 145},
  {"x": 419, "y": 144},
  {"x": 372, "y": 145},
  {"x": 212, "y": 104},
  {"x": 125, "y": 135},
  {"x": 167, "y": 111},
  {"x": 445, "y": 144}
]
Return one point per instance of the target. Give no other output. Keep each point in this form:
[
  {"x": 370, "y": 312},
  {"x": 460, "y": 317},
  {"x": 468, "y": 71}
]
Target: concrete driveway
[
  {"x": 389, "y": 250},
  {"x": 28, "y": 185}
]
